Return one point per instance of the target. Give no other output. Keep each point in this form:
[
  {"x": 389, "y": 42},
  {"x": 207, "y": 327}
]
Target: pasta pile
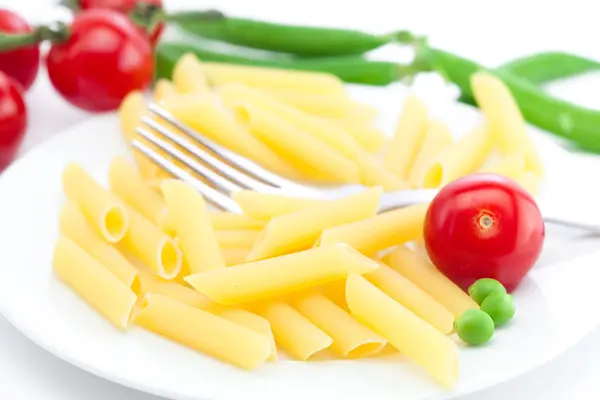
[{"x": 289, "y": 274}]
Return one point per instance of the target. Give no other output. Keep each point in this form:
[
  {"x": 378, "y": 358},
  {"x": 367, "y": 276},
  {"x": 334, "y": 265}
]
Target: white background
[{"x": 490, "y": 32}]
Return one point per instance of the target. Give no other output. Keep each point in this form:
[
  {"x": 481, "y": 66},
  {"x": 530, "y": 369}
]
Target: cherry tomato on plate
[
  {"x": 21, "y": 64},
  {"x": 103, "y": 60},
  {"x": 124, "y": 6},
  {"x": 13, "y": 119},
  {"x": 484, "y": 226}
]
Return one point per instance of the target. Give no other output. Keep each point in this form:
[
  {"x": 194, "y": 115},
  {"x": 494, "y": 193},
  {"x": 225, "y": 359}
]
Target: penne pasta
[
  {"x": 511, "y": 166},
  {"x": 236, "y": 239},
  {"x": 152, "y": 246},
  {"x": 294, "y": 144},
  {"x": 201, "y": 113},
  {"x": 299, "y": 230},
  {"x": 412, "y": 336},
  {"x": 337, "y": 106},
  {"x": 263, "y": 279},
  {"x": 196, "y": 235},
  {"x": 410, "y": 131},
  {"x": 380, "y": 232},
  {"x": 374, "y": 173},
  {"x": 264, "y": 206},
  {"x": 430, "y": 280},
  {"x": 332, "y": 136},
  {"x": 274, "y": 79},
  {"x": 129, "y": 185},
  {"x": 412, "y": 297},
  {"x": 351, "y": 339},
  {"x": 163, "y": 89},
  {"x": 203, "y": 331},
  {"x": 294, "y": 332},
  {"x": 437, "y": 138},
  {"x": 231, "y": 221},
  {"x": 253, "y": 322},
  {"x": 104, "y": 211},
  {"x": 76, "y": 227},
  {"x": 461, "y": 158},
  {"x": 506, "y": 122},
  {"x": 364, "y": 133},
  {"x": 189, "y": 75},
  {"x": 93, "y": 282},
  {"x": 184, "y": 294},
  {"x": 235, "y": 256}
]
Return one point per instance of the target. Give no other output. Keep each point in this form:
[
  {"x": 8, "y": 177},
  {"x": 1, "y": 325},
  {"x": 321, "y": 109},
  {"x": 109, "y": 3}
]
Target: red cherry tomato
[
  {"x": 13, "y": 119},
  {"x": 124, "y": 6},
  {"x": 22, "y": 64},
  {"x": 104, "y": 59},
  {"x": 484, "y": 226}
]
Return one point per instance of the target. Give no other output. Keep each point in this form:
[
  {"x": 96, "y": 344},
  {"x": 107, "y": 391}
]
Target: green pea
[
  {"x": 500, "y": 307},
  {"x": 474, "y": 327},
  {"x": 483, "y": 288}
]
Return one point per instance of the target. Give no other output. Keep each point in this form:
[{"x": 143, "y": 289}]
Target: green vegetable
[
  {"x": 570, "y": 121},
  {"x": 304, "y": 41},
  {"x": 349, "y": 68},
  {"x": 474, "y": 327},
  {"x": 484, "y": 287},
  {"x": 500, "y": 307}
]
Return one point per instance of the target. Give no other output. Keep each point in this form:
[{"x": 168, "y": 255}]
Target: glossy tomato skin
[
  {"x": 124, "y": 6},
  {"x": 104, "y": 59},
  {"x": 484, "y": 226},
  {"x": 13, "y": 119},
  {"x": 21, "y": 64}
]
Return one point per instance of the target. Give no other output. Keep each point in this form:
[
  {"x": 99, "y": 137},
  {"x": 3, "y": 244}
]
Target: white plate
[{"x": 556, "y": 304}]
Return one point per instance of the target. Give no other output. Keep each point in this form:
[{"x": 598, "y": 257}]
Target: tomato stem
[
  {"x": 57, "y": 33},
  {"x": 73, "y": 5},
  {"x": 149, "y": 16}
]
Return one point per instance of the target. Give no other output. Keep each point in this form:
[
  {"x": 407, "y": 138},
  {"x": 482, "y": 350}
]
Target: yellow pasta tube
[
  {"x": 200, "y": 112},
  {"x": 332, "y": 136},
  {"x": 129, "y": 185},
  {"x": 511, "y": 166},
  {"x": 274, "y": 79},
  {"x": 365, "y": 134},
  {"x": 351, "y": 339},
  {"x": 189, "y": 76},
  {"x": 505, "y": 119},
  {"x": 430, "y": 280},
  {"x": 374, "y": 173},
  {"x": 280, "y": 275},
  {"x": 132, "y": 108},
  {"x": 295, "y": 144},
  {"x": 231, "y": 221},
  {"x": 184, "y": 294},
  {"x": 76, "y": 227},
  {"x": 244, "y": 239},
  {"x": 329, "y": 106},
  {"x": 254, "y": 322},
  {"x": 93, "y": 282},
  {"x": 381, "y": 232},
  {"x": 265, "y": 206},
  {"x": 461, "y": 158},
  {"x": 294, "y": 332},
  {"x": 412, "y": 336},
  {"x": 235, "y": 256},
  {"x": 152, "y": 246},
  {"x": 104, "y": 211},
  {"x": 196, "y": 235},
  {"x": 437, "y": 138},
  {"x": 529, "y": 181},
  {"x": 299, "y": 230},
  {"x": 203, "y": 331},
  {"x": 164, "y": 89},
  {"x": 412, "y": 297},
  {"x": 410, "y": 131}
]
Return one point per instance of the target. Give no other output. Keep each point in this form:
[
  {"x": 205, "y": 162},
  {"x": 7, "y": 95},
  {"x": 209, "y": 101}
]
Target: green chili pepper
[
  {"x": 306, "y": 41},
  {"x": 353, "y": 69},
  {"x": 577, "y": 124}
]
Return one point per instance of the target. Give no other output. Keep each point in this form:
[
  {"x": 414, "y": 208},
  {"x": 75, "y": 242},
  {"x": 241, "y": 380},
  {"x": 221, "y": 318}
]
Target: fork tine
[
  {"x": 211, "y": 195},
  {"x": 249, "y": 167},
  {"x": 221, "y": 183}
]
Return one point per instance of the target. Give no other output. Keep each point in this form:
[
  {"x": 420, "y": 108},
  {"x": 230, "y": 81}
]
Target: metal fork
[{"x": 224, "y": 172}]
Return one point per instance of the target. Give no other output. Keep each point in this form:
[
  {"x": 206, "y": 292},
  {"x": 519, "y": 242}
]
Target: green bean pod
[
  {"x": 306, "y": 41},
  {"x": 351, "y": 69},
  {"x": 579, "y": 125}
]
